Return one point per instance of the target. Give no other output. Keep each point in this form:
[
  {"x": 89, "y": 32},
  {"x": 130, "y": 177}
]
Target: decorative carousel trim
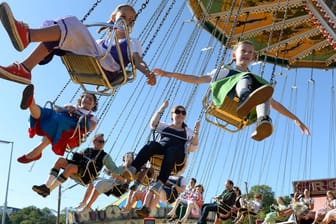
[
  {"x": 310, "y": 50},
  {"x": 277, "y": 26},
  {"x": 269, "y": 7},
  {"x": 326, "y": 30}
]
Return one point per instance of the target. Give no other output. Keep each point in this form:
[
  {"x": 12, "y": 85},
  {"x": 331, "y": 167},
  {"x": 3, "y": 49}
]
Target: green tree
[
  {"x": 33, "y": 215},
  {"x": 267, "y": 195},
  {"x": 267, "y": 198}
]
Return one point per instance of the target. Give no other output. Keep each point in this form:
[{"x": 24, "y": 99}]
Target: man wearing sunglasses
[{"x": 78, "y": 164}]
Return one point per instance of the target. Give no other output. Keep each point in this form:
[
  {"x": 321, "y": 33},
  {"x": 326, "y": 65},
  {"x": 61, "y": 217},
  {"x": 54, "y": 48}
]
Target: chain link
[
  {"x": 143, "y": 6},
  {"x": 91, "y": 10},
  {"x": 158, "y": 29}
]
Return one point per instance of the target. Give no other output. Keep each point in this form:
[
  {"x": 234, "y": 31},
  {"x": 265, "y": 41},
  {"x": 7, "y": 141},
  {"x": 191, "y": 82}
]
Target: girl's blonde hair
[
  {"x": 235, "y": 47},
  {"x": 120, "y": 7},
  {"x": 242, "y": 42}
]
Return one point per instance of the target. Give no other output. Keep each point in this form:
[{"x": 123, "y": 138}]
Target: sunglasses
[
  {"x": 183, "y": 112},
  {"x": 100, "y": 141}
]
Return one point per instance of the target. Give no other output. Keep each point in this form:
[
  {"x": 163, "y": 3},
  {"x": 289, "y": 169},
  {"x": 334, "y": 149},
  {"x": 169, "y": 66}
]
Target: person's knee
[
  {"x": 61, "y": 163},
  {"x": 71, "y": 169}
]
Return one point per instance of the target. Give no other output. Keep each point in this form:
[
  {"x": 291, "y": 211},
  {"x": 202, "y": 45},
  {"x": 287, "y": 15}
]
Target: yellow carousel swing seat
[
  {"x": 221, "y": 102},
  {"x": 86, "y": 70},
  {"x": 225, "y": 117},
  {"x": 156, "y": 163},
  {"x": 89, "y": 174}
]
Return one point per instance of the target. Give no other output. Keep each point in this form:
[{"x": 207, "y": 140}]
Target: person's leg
[
  {"x": 52, "y": 183},
  {"x": 36, "y": 153},
  {"x": 187, "y": 213},
  {"x": 28, "y": 101},
  {"x": 244, "y": 86},
  {"x": 59, "y": 180},
  {"x": 44, "y": 191},
  {"x": 172, "y": 212},
  {"x": 21, "y": 36},
  {"x": 170, "y": 157},
  {"x": 101, "y": 186},
  {"x": 70, "y": 169},
  {"x": 38, "y": 150},
  {"x": 145, "y": 210},
  {"x": 155, "y": 200},
  {"x": 93, "y": 198},
  {"x": 88, "y": 192},
  {"x": 19, "y": 32},
  {"x": 250, "y": 95},
  {"x": 150, "y": 149},
  {"x": 264, "y": 126},
  {"x": 52, "y": 177},
  {"x": 60, "y": 163},
  {"x": 205, "y": 211},
  {"x": 45, "y": 34},
  {"x": 129, "y": 201}
]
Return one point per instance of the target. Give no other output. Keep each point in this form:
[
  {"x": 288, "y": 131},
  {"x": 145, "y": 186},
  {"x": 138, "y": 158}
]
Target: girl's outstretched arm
[
  {"x": 183, "y": 77},
  {"x": 284, "y": 111}
]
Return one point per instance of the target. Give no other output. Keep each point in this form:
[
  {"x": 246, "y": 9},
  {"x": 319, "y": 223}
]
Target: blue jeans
[{"x": 206, "y": 208}]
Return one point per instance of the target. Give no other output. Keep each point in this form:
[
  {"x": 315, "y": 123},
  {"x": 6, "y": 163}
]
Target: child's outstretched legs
[
  {"x": 17, "y": 31},
  {"x": 264, "y": 126},
  {"x": 28, "y": 101},
  {"x": 36, "y": 153},
  {"x": 249, "y": 98},
  {"x": 21, "y": 36}
]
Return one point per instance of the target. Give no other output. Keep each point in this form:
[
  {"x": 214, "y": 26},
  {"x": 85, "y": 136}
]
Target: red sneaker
[
  {"x": 27, "y": 97},
  {"x": 16, "y": 72},
  {"x": 17, "y": 31}
]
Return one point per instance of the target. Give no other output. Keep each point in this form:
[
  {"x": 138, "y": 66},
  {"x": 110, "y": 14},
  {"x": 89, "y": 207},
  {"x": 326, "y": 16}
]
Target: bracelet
[{"x": 196, "y": 132}]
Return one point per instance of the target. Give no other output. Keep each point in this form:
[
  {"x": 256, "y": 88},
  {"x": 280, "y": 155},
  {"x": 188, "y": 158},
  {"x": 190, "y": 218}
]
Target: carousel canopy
[{"x": 292, "y": 33}]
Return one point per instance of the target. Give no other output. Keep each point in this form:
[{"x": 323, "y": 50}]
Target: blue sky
[{"x": 285, "y": 157}]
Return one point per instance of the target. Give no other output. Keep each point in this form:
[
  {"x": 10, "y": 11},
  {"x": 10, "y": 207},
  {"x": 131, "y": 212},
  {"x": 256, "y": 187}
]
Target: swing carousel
[{"x": 290, "y": 35}]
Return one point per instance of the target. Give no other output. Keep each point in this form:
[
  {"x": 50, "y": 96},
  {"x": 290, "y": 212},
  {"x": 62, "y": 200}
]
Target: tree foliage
[
  {"x": 267, "y": 195},
  {"x": 34, "y": 215}
]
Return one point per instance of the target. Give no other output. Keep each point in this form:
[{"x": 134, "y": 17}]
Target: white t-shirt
[
  {"x": 223, "y": 72},
  {"x": 110, "y": 64}
]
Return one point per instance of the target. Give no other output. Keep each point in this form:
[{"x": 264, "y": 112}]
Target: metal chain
[
  {"x": 158, "y": 29},
  {"x": 272, "y": 80},
  {"x": 62, "y": 90},
  {"x": 90, "y": 10},
  {"x": 143, "y": 6}
]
